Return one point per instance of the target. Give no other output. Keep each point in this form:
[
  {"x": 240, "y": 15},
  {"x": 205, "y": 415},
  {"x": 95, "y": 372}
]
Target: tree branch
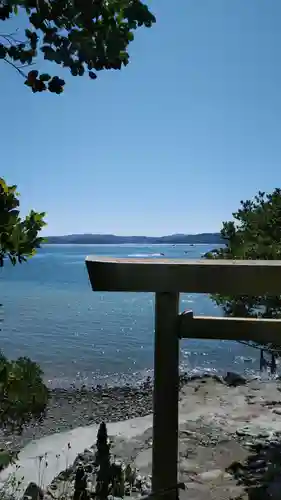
[
  {"x": 16, "y": 67},
  {"x": 10, "y": 39}
]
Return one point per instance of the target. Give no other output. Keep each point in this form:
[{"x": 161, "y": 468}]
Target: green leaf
[
  {"x": 32, "y": 75},
  {"x": 3, "y": 51},
  {"x": 92, "y": 75}
]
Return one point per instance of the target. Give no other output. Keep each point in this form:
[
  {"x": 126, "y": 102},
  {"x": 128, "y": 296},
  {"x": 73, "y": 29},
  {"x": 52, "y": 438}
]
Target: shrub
[{"x": 23, "y": 394}]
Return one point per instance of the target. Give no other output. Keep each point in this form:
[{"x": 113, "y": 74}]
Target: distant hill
[{"x": 106, "y": 239}]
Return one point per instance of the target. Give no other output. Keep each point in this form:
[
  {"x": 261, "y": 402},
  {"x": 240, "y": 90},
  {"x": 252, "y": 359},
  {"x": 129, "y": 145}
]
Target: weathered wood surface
[
  {"x": 165, "y": 400},
  {"x": 205, "y": 327},
  {"x": 192, "y": 276}
]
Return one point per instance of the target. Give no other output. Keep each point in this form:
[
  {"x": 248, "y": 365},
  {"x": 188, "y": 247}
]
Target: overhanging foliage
[{"x": 85, "y": 36}]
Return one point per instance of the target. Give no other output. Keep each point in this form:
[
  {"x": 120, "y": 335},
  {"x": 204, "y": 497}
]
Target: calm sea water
[{"x": 51, "y": 315}]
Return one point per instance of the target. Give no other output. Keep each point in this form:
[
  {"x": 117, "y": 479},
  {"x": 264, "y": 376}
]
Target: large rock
[
  {"x": 211, "y": 475},
  {"x": 33, "y": 492},
  {"x": 234, "y": 379}
]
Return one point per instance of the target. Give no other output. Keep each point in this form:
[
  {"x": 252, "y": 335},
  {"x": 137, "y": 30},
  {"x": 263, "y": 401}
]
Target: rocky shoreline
[
  {"x": 72, "y": 408},
  {"x": 229, "y": 441}
]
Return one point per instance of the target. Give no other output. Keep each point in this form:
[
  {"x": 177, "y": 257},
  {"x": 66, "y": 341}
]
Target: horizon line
[{"x": 132, "y": 235}]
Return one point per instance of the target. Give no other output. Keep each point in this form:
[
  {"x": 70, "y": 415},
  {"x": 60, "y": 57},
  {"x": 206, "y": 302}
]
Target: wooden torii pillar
[
  {"x": 105, "y": 275},
  {"x": 166, "y": 393}
]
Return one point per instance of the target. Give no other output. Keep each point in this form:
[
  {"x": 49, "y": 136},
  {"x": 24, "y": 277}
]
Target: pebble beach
[
  {"x": 229, "y": 435},
  {"x": 71, "y": 408}
]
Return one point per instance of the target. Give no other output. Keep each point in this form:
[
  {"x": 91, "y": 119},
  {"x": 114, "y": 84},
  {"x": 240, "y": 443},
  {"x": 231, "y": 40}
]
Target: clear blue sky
[{"x": 171, "y": 143}]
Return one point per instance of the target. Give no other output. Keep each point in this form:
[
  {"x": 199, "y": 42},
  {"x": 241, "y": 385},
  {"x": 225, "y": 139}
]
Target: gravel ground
[
  {"x": 68, "y": 409},
  {"x": 71, "y": 408}
]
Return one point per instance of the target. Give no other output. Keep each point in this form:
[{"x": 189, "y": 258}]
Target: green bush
[
  {"x": 23, "y": 394},
  {"x": 6, "y": 458}
]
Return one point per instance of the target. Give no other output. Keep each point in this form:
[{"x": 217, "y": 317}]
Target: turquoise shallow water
[{"x": 51, "y": 315}]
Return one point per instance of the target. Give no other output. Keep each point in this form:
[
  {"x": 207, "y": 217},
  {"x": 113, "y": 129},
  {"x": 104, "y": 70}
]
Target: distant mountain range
[{"x": 213, "y": 238}]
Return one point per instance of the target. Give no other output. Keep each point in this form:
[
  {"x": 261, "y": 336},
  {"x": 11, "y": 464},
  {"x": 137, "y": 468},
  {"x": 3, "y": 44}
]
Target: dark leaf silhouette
[{"x": 81, "y": 35}]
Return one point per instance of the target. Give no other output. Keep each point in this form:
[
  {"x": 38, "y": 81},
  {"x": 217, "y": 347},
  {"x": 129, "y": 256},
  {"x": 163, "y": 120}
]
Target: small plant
[
  {"x": 42, "y": 466},
  {"x": 80, "y": 484},
  {"x": 117, "y": 480},
  {"x": 130, "y": 476},
  {"x": 112, "y": 476},
  {"x": 103, "y": 463},
  {"x": 12, "y": 487}
]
